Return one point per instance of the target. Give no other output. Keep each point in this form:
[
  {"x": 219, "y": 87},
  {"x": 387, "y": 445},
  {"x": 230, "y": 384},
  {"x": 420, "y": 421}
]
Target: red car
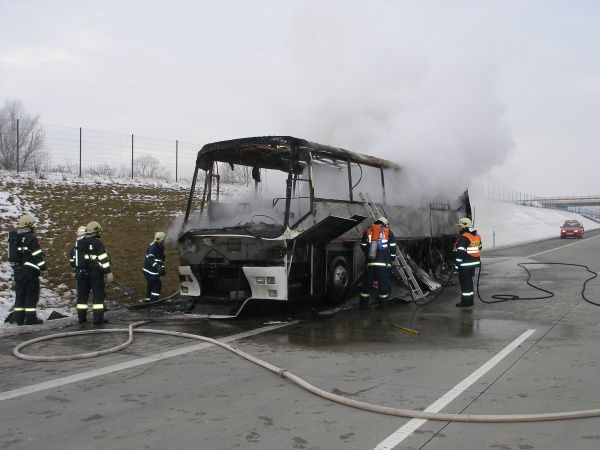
[{"x": 571, "y": 228}]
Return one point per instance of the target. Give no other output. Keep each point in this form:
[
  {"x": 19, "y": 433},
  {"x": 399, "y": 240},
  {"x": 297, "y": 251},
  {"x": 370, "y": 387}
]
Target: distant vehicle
[{"x": 571, "y": 228}]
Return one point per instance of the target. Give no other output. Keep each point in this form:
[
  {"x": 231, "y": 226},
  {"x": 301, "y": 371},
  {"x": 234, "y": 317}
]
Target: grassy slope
[{"x": 129, "y": 214}]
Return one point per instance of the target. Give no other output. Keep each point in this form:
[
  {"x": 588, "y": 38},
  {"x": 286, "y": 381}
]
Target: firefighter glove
[{"x": 109, "y": 277}]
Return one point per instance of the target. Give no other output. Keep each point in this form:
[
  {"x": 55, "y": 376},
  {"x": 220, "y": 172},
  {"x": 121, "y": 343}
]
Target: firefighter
[
  {"x": 379, "y": 245},
  {"x": 92, "y": 263},
  {"x": 28, "y": 262},
  {"x": 154, "y": 266},
  {"x": 466, "y": 259}
]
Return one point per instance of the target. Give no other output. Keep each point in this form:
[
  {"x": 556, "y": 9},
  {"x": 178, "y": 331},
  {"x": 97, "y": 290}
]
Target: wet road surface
[{"x": 209, "y": 398}]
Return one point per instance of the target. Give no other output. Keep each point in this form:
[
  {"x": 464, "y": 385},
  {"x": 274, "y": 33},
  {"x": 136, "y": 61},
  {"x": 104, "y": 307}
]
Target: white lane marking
[
  {"x": 6, "y": 395},
  {"x": 412, "y": 425},
  {"x": 579, "y": 241}
]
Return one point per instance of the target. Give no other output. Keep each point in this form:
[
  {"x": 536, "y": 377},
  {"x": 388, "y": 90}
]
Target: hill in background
[
  {"x": 508, "y": 223},
  {"x": 129, "y": 211}
]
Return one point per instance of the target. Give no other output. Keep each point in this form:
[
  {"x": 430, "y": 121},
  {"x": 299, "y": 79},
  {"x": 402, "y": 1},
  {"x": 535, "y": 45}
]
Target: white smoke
[
  {"x": 423, "y": 98},
  {"x": 238, "y": 204}
]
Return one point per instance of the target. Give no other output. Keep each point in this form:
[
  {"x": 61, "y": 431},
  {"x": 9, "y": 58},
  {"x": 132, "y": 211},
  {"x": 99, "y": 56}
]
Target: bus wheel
[{"x": 339, "y": 280}]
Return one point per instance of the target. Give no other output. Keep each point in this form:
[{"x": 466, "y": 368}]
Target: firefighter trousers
[
  {"x": 465, "y": 278},
  {"x": 92, "y": 281},
  {"x": 153, "y": 286},
  {"x": 27, "y": 295},
  {"x": 381, "y": 274}
]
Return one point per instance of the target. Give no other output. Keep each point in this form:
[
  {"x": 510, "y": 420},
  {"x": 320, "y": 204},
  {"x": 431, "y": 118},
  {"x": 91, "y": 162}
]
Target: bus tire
[{"x": 338, "y": 281}]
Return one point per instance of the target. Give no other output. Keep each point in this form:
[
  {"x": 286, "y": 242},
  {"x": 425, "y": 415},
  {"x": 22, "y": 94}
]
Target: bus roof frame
[{"x": 284, "y": 153}]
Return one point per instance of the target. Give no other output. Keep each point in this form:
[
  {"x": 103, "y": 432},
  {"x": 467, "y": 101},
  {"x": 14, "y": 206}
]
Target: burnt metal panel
[{"x": 329, "y": 228}]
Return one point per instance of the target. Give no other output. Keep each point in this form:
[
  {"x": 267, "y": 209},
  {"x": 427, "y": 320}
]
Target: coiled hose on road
[
  {"x": 407, "y": 413},
  {"x": 506, "y": 297},
  {"x": 500, "y": 298}
]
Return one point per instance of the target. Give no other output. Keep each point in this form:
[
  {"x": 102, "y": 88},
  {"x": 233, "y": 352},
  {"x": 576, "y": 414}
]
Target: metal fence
[
  {"x": 503, "y": 194},
  {"x": 84, "y": 151}
]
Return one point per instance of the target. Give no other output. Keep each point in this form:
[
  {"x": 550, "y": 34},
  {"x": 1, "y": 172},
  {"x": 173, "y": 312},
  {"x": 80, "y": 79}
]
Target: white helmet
[
  {"x": 81, "y": 231},
  {"x": 383, "y": 220},
  {"x": 465, "y": 222},
  {"x": 93, "y": 228},
  {"x": 26, "y": 221},
  {"x": 159, "y": 236}
]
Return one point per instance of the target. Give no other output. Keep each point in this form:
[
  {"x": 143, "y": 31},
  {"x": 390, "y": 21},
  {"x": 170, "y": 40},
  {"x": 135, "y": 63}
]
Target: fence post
[
  {"x": 17, "y": 145},
  {"x": 79, "y": 152},
  {"x": 132, "y": 156},
  {"x": 176, "y": 157}
]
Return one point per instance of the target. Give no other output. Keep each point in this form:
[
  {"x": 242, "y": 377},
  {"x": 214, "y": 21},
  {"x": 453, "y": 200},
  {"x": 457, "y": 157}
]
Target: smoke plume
[{"x": 423, "y": 98}]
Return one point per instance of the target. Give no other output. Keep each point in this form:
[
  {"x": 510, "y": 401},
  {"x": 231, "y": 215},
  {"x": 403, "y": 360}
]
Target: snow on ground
[
  {"x": 13, "y": 205},
  {"x": 63, "y": 178},
  {"x": 506, "y": 223},
  {"x": 510, "y": 224}
]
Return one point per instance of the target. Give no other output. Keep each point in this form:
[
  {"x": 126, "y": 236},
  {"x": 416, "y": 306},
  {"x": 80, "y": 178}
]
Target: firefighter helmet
[
  {"x": 81, "y": 231},
  {"x": 159, "y": 236},
  {"x": 383, "y": 220},
  {"x": 26, "y": 221},
  {"x": 93, "y": 228},
  {"x": 465, "y": 222}
]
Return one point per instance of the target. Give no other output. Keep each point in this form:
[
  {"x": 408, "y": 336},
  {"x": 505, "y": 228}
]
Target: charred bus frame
[{"x": 316, "y": 254}]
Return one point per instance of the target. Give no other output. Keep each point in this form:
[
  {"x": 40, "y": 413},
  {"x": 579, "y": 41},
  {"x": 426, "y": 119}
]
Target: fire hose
[
  {"x": 499, "y": 298},
  {"x": 407, "y": 413}
]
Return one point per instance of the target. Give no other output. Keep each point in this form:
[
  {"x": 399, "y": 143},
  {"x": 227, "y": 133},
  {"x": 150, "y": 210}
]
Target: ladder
[{"x": 400, "y": 266}]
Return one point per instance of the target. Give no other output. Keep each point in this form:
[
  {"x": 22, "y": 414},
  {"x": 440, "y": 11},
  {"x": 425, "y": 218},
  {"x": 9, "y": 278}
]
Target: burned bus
[{"x": 289, "y": 228}]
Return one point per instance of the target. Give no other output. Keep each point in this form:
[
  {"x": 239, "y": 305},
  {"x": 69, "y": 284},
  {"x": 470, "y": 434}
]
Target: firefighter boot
[
  {"x": 31, "y": 318},
  {"x": 19, "y": 317},
  {"x": 364, "y": 300},
  {"x": 464, "y": 304},
  {"x": 99, "y": 317},
  {"x": 82, "y": 314}
]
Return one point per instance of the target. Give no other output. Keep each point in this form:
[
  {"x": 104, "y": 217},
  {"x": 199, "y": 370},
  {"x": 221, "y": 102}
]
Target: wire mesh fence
[
  {"x": 82, "y": 151},
  {"x": 92, "y": 152}
]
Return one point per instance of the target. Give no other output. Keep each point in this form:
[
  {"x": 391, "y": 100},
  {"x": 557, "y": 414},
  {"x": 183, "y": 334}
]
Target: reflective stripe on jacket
[
  {"x": 96, "y": 253},
  {"x": 32, "y": 254},
  {"x": 474, "y": 244},
  {"x": 467, "y": 249},
  {"x": 155, "y": 259}
]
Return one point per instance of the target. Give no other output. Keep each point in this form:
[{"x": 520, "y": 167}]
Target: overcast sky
[{"x": 505, "y": 92}]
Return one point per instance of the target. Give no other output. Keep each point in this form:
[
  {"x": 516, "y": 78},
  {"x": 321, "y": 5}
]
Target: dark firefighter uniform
[
  {"x": 378, "y": 262},
  {"x": 154, "y": 267},
  {"x": 27, "y": 276},
  {"x": 92, "y": 262},
  {"x": 72, "y": 252},
  {"x": 466, "y": 259}
]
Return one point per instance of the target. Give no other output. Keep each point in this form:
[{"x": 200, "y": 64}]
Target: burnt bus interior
[{"x": 312, "y": 236}]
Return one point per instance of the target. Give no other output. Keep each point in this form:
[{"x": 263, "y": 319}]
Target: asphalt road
[{"x": 199, "y": 397}]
